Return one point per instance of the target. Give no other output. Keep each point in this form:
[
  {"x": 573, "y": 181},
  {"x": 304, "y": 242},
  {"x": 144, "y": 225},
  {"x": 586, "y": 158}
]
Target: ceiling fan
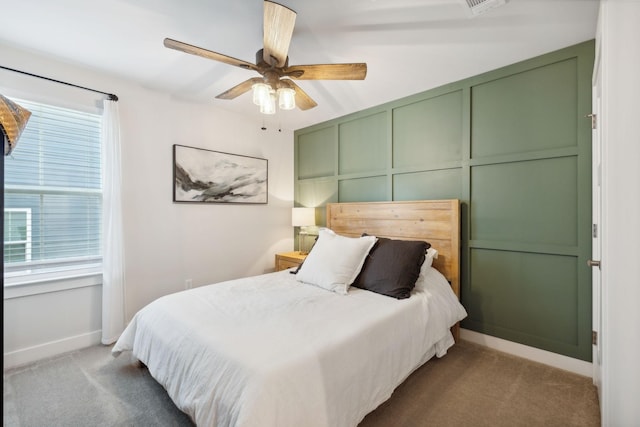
[{"x": 272, "y": 63}]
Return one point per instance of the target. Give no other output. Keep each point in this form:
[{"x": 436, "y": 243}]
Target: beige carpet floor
[
  {"x": 470, "y": 386},
  {"x": 475, "y": 386}
]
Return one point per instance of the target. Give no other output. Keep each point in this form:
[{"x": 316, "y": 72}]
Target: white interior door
[{"x": 596, "y": 231}]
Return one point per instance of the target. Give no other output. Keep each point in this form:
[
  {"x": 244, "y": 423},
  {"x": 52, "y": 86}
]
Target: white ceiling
[{"x": 409, "y": 45}]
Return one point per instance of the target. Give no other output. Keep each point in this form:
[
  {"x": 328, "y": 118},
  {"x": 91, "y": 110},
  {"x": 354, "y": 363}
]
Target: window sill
[{"x": 21, "y": 286}]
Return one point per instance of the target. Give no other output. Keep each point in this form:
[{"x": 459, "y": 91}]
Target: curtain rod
[{"x": 111, "y": 96}]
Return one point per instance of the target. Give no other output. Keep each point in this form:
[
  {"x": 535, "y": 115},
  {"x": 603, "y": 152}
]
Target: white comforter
[{"x": 270, "y": 351}]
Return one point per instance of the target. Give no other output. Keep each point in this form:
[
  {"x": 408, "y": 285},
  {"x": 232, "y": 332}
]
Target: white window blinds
[{"x": 53, "y": 193}]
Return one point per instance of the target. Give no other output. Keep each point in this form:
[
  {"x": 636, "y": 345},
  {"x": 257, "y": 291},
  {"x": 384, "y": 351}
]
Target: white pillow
[
  {"x": 335, "y": 261},
  {"x": 429, "y": 257},
  {"x": 426, "y": 268}
]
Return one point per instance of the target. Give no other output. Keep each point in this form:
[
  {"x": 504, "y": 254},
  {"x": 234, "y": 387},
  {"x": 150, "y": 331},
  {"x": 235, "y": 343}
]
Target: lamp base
[{"x": 301, "y": 240}]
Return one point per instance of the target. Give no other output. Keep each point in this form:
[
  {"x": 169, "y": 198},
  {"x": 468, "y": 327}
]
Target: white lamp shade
[{"x": 303, "y": 217}]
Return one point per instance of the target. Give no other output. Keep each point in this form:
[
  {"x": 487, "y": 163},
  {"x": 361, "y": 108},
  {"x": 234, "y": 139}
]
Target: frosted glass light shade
[
  {"x": 261, "y": 93},
  {"x": 269, "y": 104},
  {"x": 303, "y": 217},
  {"x": 286, "y": 98}
]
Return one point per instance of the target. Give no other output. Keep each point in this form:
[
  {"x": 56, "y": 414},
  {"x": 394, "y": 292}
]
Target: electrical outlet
[{"x": 188, "y": 284}]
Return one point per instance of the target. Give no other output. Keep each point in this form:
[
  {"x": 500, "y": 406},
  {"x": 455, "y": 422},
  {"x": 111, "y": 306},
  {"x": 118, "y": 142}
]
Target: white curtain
[{"x": 112, "y": 239}]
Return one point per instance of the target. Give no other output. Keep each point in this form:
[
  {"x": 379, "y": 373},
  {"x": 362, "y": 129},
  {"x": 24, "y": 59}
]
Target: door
[{"x": 596, "y": 230}]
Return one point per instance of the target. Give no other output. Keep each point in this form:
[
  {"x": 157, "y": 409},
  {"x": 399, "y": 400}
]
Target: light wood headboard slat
[{"x": 435, "y": 228}]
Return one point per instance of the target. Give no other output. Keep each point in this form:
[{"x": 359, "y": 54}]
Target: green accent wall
[{"x": 514, "y": 146}]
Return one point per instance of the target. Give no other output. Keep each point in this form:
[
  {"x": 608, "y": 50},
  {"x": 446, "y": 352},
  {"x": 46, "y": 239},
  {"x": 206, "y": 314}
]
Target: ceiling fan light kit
[
  {"x": 264, "y": 96},
  {"x": 276, "y": 89}
]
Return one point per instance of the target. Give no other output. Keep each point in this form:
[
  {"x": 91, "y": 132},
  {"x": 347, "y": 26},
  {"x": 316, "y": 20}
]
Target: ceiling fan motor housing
[{"x": 260, "y": 62}]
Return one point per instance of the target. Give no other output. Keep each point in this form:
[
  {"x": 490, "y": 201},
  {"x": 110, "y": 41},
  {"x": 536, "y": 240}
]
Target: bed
[{"x": 273, "y": 350}]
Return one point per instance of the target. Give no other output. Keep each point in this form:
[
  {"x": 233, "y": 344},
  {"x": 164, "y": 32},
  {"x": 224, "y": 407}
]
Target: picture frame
[{"x": 207, "y": 176}]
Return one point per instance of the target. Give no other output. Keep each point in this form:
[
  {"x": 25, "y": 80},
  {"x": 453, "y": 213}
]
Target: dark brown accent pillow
[{"x": 392, "y": 267}]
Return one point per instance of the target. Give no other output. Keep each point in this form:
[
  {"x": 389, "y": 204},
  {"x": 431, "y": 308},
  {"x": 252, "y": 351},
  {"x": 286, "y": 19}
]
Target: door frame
[{"x": 596, "y": 235}]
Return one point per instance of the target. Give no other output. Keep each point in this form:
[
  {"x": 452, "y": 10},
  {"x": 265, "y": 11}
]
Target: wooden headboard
[{"x": 434, "y": 221}]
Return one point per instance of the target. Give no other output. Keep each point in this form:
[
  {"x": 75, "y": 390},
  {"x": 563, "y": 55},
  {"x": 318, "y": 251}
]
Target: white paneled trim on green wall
[{"x": 514, "y": 146}]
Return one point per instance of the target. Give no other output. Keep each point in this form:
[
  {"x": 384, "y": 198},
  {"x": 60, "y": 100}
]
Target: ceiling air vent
[{"x": 478, "y": 7}]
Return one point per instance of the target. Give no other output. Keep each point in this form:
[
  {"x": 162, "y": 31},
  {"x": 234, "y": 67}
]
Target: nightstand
[{"x": 286, "y": 260}]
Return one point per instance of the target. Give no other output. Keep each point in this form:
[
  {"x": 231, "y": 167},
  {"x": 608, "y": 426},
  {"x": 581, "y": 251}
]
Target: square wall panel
[
  {"x": 428, "y": 132},
  {"x": 362, "y": 144},
  {"x": 430, "y": 185},
  {"x": 524, "y": 112},
  {"x": 315, "y": 192},
  {"x": 528, "y": 294},
  {"x": 528, "y": 202},
  {"x": 372, "y": 189},
  {"x": 316, "y": 154}
]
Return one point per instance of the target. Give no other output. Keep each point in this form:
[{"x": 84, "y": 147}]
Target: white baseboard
[
  {"x": 579, "y": 367},
  {"x": 54, "y": 348}
]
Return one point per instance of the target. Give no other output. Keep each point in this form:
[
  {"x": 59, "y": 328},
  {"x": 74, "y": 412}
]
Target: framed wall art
[{"x": 206, "y": 176}]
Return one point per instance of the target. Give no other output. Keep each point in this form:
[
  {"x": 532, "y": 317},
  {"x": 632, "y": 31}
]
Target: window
[
  {"x": 17, "y": 235},
  {"x": 53, "y": 194}
]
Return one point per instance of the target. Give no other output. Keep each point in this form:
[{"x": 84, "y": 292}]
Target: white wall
[
  {"x": 619, "y": 38},
  {"x": 165, "y": 243}
]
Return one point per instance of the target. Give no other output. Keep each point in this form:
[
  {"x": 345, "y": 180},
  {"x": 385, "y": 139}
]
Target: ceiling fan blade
[
  {"x": 303, "y": 101},
  {"x": 278, "y": 29},
  {"x": 356, "y": 71},
  {"x": 195, "y": 50},
  {"x": 238, "y": 90}
]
